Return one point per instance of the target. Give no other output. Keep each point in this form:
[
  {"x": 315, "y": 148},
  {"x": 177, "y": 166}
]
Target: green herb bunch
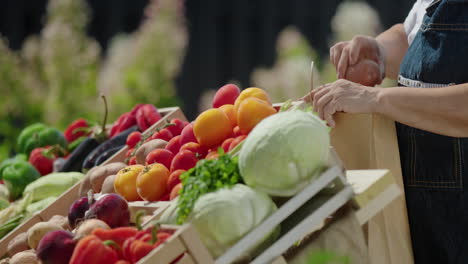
[{"x": 207, "y": 176}]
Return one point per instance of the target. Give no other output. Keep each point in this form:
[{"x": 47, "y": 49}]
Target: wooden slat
[
  {"x": 186, "y": 259},
  {"x": 378, "y": 204},
  {"x": 195, "y": 246},
  {"x": 279, "y": 260},
  {"x": 288, "y": 208},
  {"x": 374, "y": 189},
  {"x": 150, "y": 208},
  {"x": 169, "y": 250},
  {"x": 167, "y": 114}
]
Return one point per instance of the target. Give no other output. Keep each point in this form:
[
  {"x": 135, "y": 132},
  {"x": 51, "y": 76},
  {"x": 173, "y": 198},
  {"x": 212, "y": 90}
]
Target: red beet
[
  {"x": 56, "y": 247},
  {"x": 110, "y": 208},
  {"x": 77, "y": 211}
]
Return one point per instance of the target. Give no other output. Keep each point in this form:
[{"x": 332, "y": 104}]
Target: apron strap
[{"x": 418, "y": 84}]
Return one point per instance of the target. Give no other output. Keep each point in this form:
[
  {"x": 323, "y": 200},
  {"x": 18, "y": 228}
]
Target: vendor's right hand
[{"x": 344, "y": 55}]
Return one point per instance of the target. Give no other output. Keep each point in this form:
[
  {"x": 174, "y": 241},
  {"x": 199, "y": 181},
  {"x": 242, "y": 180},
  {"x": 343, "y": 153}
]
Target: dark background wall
[{"x": 227, "y": 38}]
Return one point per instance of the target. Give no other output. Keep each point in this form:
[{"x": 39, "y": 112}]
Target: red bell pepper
[
  {"x": 77, "y": 129},
  {"x": 146, "y": 116},
  {"x": 92, "y": 250},
  {"x": 43, "y": 158},
  {"x": 118, "y": 235},
  {"x": 137, "y": 247}
]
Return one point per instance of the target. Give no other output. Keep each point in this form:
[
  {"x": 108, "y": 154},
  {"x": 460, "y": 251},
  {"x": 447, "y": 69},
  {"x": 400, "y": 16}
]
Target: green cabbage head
[
  {"x": 223, "y": 217},
  {"x": 284, "y": 153}
]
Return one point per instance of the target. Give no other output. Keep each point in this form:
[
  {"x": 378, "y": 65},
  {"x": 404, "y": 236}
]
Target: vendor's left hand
[{"x": 342, "y": 96}]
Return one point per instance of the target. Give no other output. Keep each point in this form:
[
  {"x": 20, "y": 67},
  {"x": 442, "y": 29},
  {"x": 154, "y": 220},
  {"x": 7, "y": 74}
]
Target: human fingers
[
  {"x": 322, "y": 103},
  {"x": 343, "y": 63},
  {"x": 335, "y": 52},
  {"x": 328, "y": 111}
]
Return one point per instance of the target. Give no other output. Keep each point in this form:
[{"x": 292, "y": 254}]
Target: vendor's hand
[
  {"x": 347, "y": 53},
  {"x": 342, "y": 96}
]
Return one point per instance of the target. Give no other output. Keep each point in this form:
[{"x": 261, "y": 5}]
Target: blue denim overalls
[{"x": 434, "y": 166}]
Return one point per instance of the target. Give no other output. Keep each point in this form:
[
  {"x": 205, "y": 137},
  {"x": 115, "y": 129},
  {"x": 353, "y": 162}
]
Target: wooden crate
[
  {"x": 373, "y": 189},
  {"x": 64, "y": 201}
]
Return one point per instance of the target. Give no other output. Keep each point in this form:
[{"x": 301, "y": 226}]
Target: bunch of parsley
[{"x": 207, "y": 176}]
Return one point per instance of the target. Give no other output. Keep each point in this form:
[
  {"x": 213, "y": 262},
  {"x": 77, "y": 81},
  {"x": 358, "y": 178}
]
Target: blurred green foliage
[{"x": 58, "y": 75}]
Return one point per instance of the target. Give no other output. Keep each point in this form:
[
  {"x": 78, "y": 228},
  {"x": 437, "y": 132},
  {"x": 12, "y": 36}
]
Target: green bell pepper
[
  {"x": 39, "y": 135},
  {"x": 26, "y": 134},
  {"x": 10, "y": 161},
  {"x": 17, "y": 176}
]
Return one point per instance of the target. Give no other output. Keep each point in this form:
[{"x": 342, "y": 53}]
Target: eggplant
[
  {"x": 107, "y": 154},
  {"x": 116, "y": 141},
  {"x": 75, "y": 161}
]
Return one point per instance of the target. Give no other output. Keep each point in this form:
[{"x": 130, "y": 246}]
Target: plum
[
  {"x": 110, "y": 208},
  {"x": 56, "y": 247},
  {"x": 77, "y": 211}
]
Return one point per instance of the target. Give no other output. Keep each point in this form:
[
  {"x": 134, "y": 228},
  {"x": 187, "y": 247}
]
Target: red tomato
[
  {"x": 174, "y": 179},
  {"x": 129, "y": 152},
  {"x": 237, "y": 132},
  {"x": 187, "y": 135},
  {"x": 177, "y": 126},
  {"x": 195, "y": 148},
  {"x": 174, "y": 145},
  {"x": 165, "y": 196},
  {"x": 236, "y": 142},
  {"x": 163, "y": 134},
  {"x": 184, "y": 160},
  {"x": 226, "y": 144},
  {"x": 133, "y": 139},
  {"x": 132, "y": 161},
  {"x": 162, "y": 156},
  {"x": 226, "y": 95},
  {"x": 175, "y": 191}
]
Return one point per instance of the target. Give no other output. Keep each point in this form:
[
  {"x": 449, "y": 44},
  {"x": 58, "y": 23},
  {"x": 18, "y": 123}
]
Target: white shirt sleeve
[
  {"x": 415, "y": 17},
  {"x": 410, "y": 20}
]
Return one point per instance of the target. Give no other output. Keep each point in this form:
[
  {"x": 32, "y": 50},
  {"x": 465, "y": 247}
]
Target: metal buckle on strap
[{"x": 418, "y": 84}]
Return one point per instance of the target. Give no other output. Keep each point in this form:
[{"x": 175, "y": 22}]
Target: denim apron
[{"x": 434, "y": 167}]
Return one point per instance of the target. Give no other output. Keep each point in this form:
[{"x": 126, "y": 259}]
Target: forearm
[
  {"x": 438, "y": 110},
  {"x": 393, "y": 43}
]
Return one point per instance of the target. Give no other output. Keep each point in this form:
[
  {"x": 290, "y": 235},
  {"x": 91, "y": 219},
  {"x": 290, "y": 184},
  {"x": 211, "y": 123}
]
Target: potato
[
  {"x": 108, "y": 185},
  {"x": 61, "y": 221},
  {"x": 146, "y": 148},
  {"x": 18, "y": 243},
  {"x": 25, "y": 257},
  {"x": 365, "y": 72},
  {"x": 85, "y": 185},
  {"x": 37, "y": 231},
  {"x": 5, "y": 261},
  {"x": 86, "y": 227},
  {"x": 98, "y": 176}
]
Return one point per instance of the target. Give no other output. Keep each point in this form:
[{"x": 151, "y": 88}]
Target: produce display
[
  {"x": 49, "y": 161},
  {"x": 220, "y": 173},
  {"x": 99, "y": 232}
]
